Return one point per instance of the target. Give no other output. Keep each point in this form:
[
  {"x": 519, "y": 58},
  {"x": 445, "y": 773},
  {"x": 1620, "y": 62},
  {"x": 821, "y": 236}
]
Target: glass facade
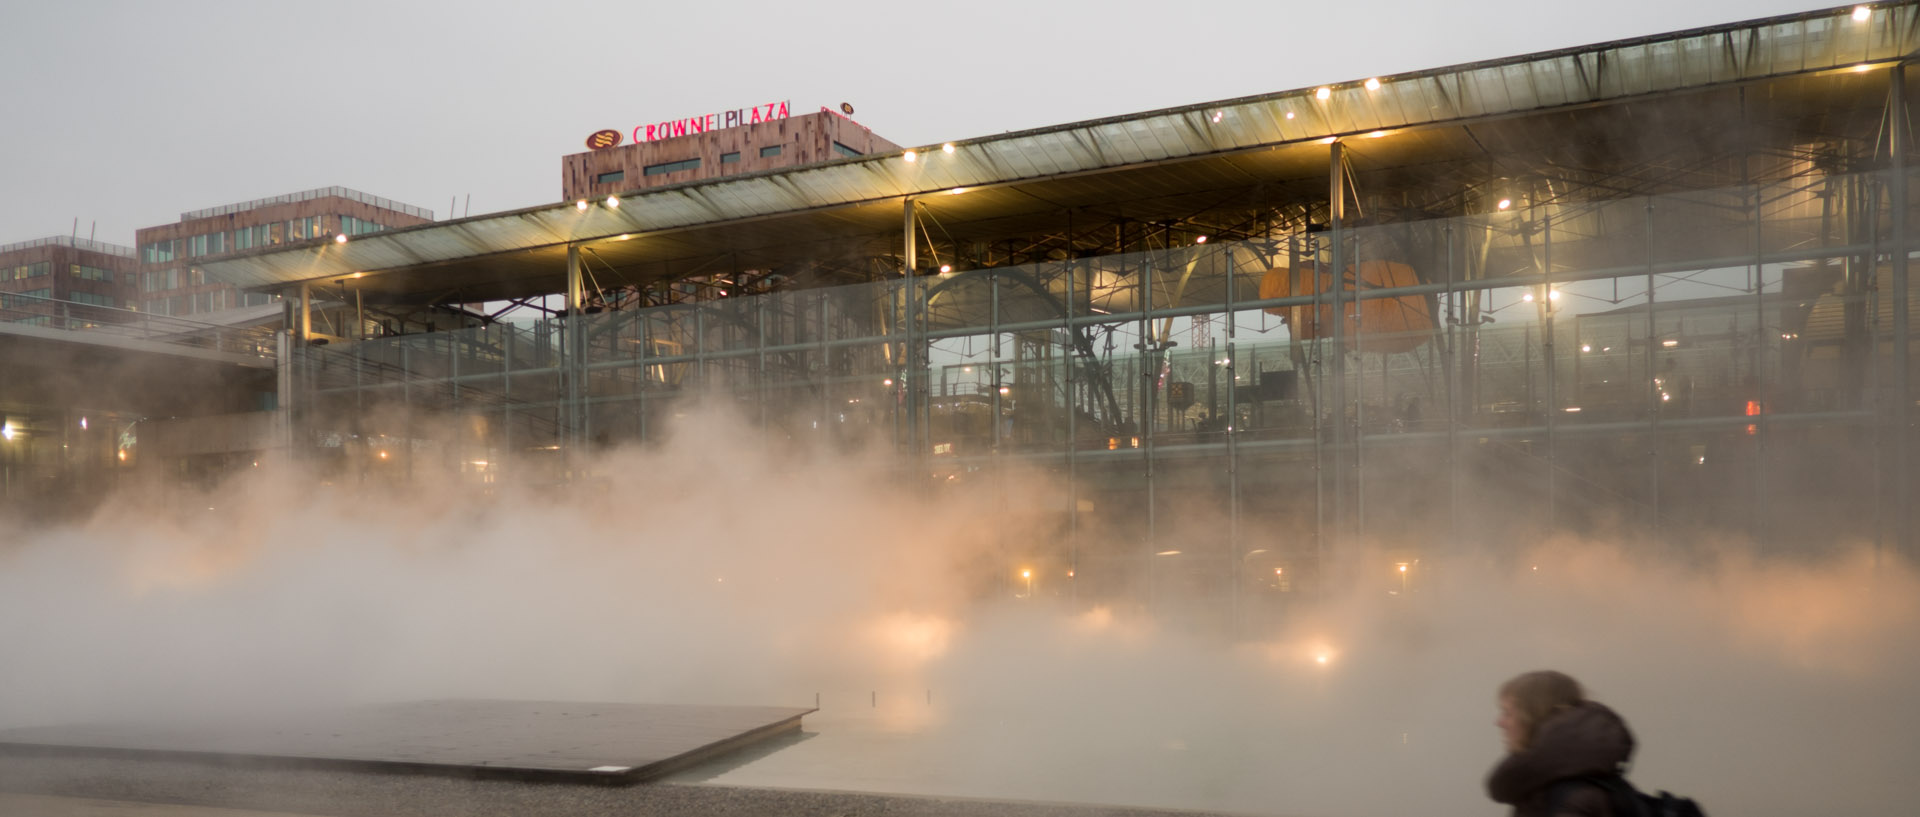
[{"x": 1661, "y": 363}]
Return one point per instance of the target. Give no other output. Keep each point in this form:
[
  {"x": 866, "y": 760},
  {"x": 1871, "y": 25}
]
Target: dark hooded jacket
[{"x": 1581, "y": 741}]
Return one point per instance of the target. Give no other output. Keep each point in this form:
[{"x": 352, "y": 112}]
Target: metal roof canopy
[{"x": 1193, "y": 153}]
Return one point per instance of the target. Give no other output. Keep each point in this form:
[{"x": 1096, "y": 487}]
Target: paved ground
[{"x": 42, "y": 786}]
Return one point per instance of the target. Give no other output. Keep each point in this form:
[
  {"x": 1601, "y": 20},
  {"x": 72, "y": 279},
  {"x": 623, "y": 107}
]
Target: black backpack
[{"x": 1626, "y": 800}]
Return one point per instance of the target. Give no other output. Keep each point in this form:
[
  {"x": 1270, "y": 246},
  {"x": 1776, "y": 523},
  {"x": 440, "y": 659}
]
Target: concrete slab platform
[{"x": 527, "y": 740}]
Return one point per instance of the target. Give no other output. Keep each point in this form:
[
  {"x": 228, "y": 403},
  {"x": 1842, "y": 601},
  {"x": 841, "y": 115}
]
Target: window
[
  {"x": 845, "y": 151},
  {"x": 730, "y": 158},
  {"x": 25, "y": 271},
  {"x": 354, "y": 226},
  {"x": 672, "y": 167},
  {"x": 32, "y": 297},
  {"x": 92, "y": 298},
  {"x": 244, "y": 239},
  {"x": 86, "y": 273},
  {"x": 610, "y": 178},
  {"x": 159, "y": 252},
  {"x": 162, "y": 280},
  {"x": 770, "y": 151}
]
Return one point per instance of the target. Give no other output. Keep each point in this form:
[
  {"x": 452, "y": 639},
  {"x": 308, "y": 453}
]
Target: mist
[{"x": 718, "y": 566}]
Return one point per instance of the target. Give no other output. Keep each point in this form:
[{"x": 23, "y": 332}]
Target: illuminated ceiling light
[
  {"x": 6, "y": 432},
  {"x": 1528, "y": 297},
  {"x": 624, "y": 237},
  {"x": 1504, "y": 204},
  {"x": 1330, "y": 140},
  {"x": 1289, "y": 114},
  {"x": 1553, "y": 294},
  {"x": 1168, "y": 553},
  {"x": 614, "y": 202},
  {"x": 947, "y": 148},
  {"x": 1004, "y": 391},
  {"x": 1376, "y": 134},
  {"x": 1323, "y": 94},
  {"x": 1863, "y": 68},
  {"x": 1200, "y": 240},
  {"x": 1216, "y": 116},
  {"x": 1373, "y": 84},
  {"x": 1861, "y": 14},
  {"x": 1586, "y": 347},
  {"x": 83, "y": 424},
  {"x": 358, "y": 275},
  {"x": 956, "y": 191},
  {"x": 1573, "y": 409},
  {"x": 340, "y": 238},
  {"x": 946, "y": 268},
  {"x": 887, "y": 382},
  {"x": 1669, "y": 343},
  {"x": 580, "y": 205},
  {"x": 910, "y": 156}
]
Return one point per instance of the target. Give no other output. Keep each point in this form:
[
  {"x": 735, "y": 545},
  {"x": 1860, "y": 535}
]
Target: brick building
[
  {"x": 172, "y": 282},
  {"x": 37, "y": 276},
  {"x": 710, "y": 146}
]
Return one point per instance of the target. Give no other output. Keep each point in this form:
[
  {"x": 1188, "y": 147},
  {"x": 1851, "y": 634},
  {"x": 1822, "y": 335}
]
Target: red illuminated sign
[
  {"x": 710, "y": 122},
  {"x": 603, "y": 139}
]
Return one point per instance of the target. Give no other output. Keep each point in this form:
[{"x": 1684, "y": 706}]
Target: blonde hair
[{"x": 1537, "y": 695}]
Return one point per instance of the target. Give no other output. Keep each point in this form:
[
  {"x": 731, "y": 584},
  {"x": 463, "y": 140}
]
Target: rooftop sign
[{"x": 709, "y": 122}]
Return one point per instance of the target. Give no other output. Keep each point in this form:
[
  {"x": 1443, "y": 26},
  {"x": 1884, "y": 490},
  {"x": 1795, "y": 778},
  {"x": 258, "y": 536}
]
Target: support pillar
[
  {"x": 1901, "y": 387},
  {"x": 1336, "y": 212}
]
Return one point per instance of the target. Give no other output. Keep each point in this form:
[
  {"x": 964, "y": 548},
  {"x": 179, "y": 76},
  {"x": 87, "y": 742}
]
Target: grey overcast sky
[{"x": 125, "y": 114}]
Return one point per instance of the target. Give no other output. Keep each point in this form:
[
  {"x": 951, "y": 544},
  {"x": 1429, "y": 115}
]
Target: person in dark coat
[{"x": 1553, "y": 734}]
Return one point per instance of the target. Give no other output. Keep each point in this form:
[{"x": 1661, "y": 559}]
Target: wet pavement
[{"x": 49, "y": 786}]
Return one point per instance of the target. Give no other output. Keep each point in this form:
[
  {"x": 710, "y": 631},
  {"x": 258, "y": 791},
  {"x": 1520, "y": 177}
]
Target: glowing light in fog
[
  {"x": 1504, "y": 204},
  {"x": 1861, "y": 14}
]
